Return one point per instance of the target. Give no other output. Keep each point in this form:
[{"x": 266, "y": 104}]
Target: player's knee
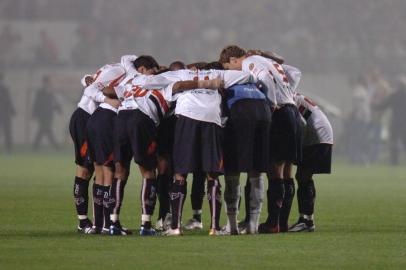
[{"x": 83, "y": 172}]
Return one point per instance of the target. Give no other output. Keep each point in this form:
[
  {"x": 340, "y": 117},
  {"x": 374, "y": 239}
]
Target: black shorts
[
  {"x": 166, "y": 136},
  {"x": 286, "y": 135},
  {"x": 197, "y": 146},
  {"x": 246, "y": 138},
  {"x": 317, "y": 158},
  {"x": 100, "y": 130},
  {"x": 135, "y": 137},
  {"x": 77, "y": 129}
]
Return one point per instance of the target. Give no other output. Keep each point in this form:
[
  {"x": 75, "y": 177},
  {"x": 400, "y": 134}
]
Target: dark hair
[
  {"x": 214, "y": 65},
  {"x": 162, "y": 71},
  {"x": 231, "y": 51},
  {"x": 177, "y": 65},
  {"x": 198, "y": 65},
  {"x": 146, "y": 61}
]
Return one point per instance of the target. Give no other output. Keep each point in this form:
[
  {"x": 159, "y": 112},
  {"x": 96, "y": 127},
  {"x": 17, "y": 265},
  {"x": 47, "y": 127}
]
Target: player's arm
[
  {"x": 181, "y": 86},
  {"x": 95, "y": 92},
  {"x": 268, "y": 87},
  {"x": 232, "y": 77},
  {"x": 267, "y": 54}
]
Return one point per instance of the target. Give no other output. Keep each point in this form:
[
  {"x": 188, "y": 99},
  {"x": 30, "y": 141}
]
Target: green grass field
[{"x": 360, "y": 218}]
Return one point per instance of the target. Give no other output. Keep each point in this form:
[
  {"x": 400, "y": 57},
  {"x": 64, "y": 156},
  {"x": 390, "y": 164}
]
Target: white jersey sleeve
[
  {"x": 294, "y": 75},
  {"x": 232, "y": 77},
  {"x": 127, "y": 63},
  {"x": 318, "y": 129}
]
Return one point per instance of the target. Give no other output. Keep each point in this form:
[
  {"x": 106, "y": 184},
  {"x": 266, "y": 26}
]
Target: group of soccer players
[{"x": 240, "y": 114}]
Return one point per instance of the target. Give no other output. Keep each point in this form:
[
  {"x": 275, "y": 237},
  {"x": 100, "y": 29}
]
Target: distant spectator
[
  {"x": 9, "y": 39},
  {"x": 47, "y": 51},
  {"x": 44, "y": 108},
  {"x": 7, "y": 111},
  {"x": 396, "y": 103}
]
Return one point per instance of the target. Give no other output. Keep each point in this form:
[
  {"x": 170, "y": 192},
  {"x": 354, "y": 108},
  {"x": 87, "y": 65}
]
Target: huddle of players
[{"x": 240, "y": 114}]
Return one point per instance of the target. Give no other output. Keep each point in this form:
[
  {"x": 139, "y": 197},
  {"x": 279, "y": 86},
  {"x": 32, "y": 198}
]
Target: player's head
[
  {"x": 196, "y": 66},
  {"x": 177, "y": 65},
  {"x": 146, "y": 64},
  {"x": 231, "y": 57},
  {"x": 213, "y": 65}
]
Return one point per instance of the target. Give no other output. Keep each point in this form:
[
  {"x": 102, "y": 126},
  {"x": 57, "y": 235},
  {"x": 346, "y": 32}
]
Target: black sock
[
  {"x": 197, "y": 194},
  {"x": 163, "y": 186},
  {"x": 177, "y": 196},
  {"x": 289, "y": 186},
  {"x": 309, "y": 197},
  {"x": 275, "y": 196},
  {"x": 148, "y": 201},
  {"x": 80, "y": 194},
  {"x": 106, "y": 207},
  {"x": 98, "y": 192},
  {"x": 116, "y": 196},
  {"x": 214, "y": 197},
  {"x": 247, "y": 192}
]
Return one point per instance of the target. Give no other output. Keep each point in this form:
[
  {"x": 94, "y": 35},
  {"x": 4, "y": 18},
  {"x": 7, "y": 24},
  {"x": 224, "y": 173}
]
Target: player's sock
[
  {"x": 116, "y": 196},
  {"x": 300, "y": 196},
  {"x": 275, "y": 195},
  {"x": 214, "y": 197},
  {"x": 197, "y": 215},
  {"x": 289, "y": 186},
  {"x": 98, "y": 192},
  {"x": 197, "y": 194},
  {"x": 309, "y": 192},
  {"x": 232, "y": 197},
  {"x": 106, "y": 207},
  {"x": 177, "y": 196},
  {"x": 247, "y": 192},
  {"x": 255, "y": 202},
  {"x": 80, "y": 194},
  {"x": 163, "y": 184},
  {"x": 148, "y": 200}
]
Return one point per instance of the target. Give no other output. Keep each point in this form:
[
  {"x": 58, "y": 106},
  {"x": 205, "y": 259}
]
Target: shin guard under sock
[
  {"x": 275, "y": 196},
  {"x": 116, "y": 196},
  {"x": 177, "y": 197},
  {"x": 98, "y": 217},
  {"x": 148, "y": 201},
  {"x": 106, "y": 207},
  {"x": 289, "y": 186},
  {"x": 80, "y": 194},
  {"x": 163, "y": 185}
]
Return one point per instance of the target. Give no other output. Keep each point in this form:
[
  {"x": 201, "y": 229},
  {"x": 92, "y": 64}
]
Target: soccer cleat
[
  {"x": 303, "y": 225},
  {"x": 87, "y": 228},
  {"x": 105, "y": 231},
  {"x": 266, "y": 228},
  {"x": 172, "y": 232},
  {"x": 117, "y": 229},
  {"x": 215, "y": 232},
  {"x": 147, "y": 232},
  {"x": 242, "y": 227},
  {"x": 159, "y": 226},
  {"x": 193, "y": 224},
  {"x": 167, "y": 222}
]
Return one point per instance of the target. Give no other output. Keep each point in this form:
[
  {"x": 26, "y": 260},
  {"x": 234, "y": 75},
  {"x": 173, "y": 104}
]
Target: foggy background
[{"x": 351, "y": 53}]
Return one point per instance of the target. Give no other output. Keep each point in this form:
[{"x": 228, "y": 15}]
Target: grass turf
[{"x": 360, "y": 219}]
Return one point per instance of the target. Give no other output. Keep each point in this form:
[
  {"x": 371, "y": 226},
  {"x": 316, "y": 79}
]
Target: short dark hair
[
  {"x": 198, "y": 65},
  {"x": 231, "y": 51},
  {"x": 146, "y": 61},
  {"x": 177, "y": 65},
  {"x": 214, "y": 65}
]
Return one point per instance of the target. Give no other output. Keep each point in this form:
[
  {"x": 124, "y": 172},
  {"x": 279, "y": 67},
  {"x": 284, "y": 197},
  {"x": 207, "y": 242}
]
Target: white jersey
[
  {"x": 204, "y": 104},
  {"x": 127, "y": 63},
  {"x": 150, "y": 94},
  {"x": 318, "y": 129},
  {"x": 273, "y": 76}
]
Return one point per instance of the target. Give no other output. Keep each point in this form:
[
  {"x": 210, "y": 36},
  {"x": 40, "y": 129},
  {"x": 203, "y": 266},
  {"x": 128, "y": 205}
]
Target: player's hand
[{"x": 113, "y": 102}]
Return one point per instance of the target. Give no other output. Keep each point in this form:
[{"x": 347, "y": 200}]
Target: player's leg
[
  {"x": 84, "y": 168},
  {"x": 177, "y": 195},
  {"x": 232, "y": 197},
  {"x": 98, "y": 193},
  {"x": 108, "y": 174},
  {"x": 215, "y": 202},
  {"x": 122, "y": 157},
  {"x": 164, "y": 179},
  {"x": 289, "y": 186},
  {"x": 148, "y": 200},
  {"x": 196, "y": 198},
  {"x": 255, "y": 201},
  {"x": 306, "y": 196}
]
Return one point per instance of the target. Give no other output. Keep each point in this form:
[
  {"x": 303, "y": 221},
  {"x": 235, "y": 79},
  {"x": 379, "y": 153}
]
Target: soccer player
[
  {"x": 100, "y": 141},
  {"x": 198, "y": 142},
  {"x": 317, "y": 153},
  {"x": 285, "y": 134}
]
